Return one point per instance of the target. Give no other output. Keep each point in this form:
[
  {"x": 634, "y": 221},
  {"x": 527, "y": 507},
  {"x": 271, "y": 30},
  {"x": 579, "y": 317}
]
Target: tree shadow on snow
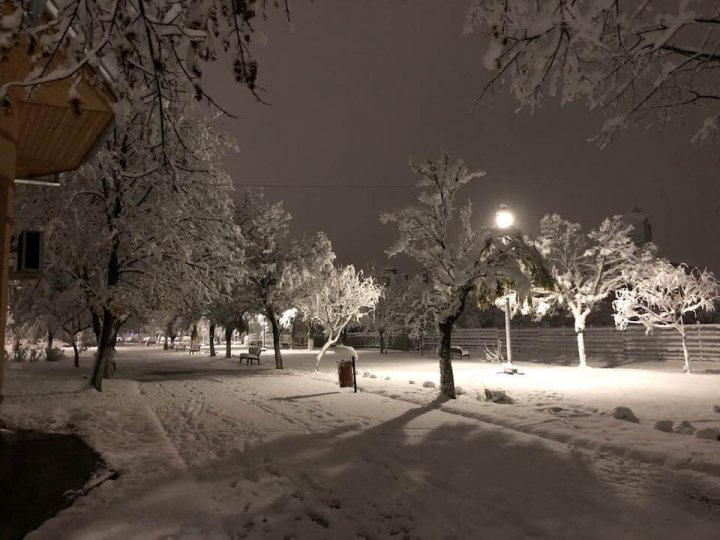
[
  {"x": 423, "y": 474},
  {"x": 614, "y": 362},
  {"x": 303, "y": 396},
  {"x": 209, "y": 369},
  {"x": 193, "y": 374}
]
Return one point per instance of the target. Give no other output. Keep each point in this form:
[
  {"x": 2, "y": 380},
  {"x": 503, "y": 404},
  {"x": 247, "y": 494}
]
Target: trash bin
[{"x": 345, "y": 373}]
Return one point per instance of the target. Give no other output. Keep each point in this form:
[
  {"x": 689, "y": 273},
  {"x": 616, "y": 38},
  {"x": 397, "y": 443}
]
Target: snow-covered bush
[
  {"x": 498, "y": 396},
  {"x": 20, "y": 354},
  {"x": 53, "y": 354}
]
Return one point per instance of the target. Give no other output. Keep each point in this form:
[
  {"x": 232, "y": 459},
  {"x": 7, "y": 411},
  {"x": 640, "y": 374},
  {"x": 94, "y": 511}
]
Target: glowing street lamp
[{"x": 504, "y": 219}]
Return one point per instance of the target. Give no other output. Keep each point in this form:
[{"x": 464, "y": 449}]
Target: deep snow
[{"x": 210, "y": 449}]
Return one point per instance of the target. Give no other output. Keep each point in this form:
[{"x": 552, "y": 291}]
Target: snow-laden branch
[{"x": 640, "y": 62}]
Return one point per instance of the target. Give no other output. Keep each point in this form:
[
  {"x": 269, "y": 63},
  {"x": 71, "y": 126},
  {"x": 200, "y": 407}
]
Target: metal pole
[
  {"x": 354, "y": 375},
  {"x": 507, "y": 330}
]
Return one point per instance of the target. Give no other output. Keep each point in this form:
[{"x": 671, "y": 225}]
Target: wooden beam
[{"x": 8, "y": 154}]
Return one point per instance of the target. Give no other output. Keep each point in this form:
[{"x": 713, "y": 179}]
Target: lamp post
[{"x": 504, "y": 219}]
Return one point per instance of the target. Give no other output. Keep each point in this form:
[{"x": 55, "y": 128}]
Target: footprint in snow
[
  {"x": 319, "y": 518},
  {"x": 334, "y": 503}
]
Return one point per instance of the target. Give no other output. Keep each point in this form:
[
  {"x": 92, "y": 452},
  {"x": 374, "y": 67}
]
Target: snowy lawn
[{"x": 206, "y": 448}]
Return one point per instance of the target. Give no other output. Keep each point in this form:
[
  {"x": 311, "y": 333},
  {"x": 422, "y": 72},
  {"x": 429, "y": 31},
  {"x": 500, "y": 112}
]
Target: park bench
[
  {"x": 456, "y": 351},
  {"x": 194, "y": 349},
  {"x": 459, "y": 351},
  {"x": 253, "y": 355}
]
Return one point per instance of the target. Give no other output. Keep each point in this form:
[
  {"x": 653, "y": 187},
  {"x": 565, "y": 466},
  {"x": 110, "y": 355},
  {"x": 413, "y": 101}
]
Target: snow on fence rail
[{"x": 604, "y": 343}]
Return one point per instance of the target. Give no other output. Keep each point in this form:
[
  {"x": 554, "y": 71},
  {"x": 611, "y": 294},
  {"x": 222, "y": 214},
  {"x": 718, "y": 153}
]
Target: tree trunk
[
  {"x": 51, "y": 338},
  {"x": 581, "y": 348},
  {"x": 580, "y": 331},
  {"x": 269, "y": 313},
  {"x": 193, "y": 335},
  {"x": 165, "y": 342},
  {"x": 292, "y": 332},
  {"x": 447, "y": 380},
  {"x": 105, "y": 351},
  {"x": 109, "y": 372},
  {"x": 96, "y": 325},
  {"x": 324, "y": 349},
  {"x": 76, "y": 352},
  {"x": 212, "y": 339},
  {"x": 686, "y": 356},
  {"x": 228, "y": 341},
  {"x": 421, "y": 345},
  {"x": 382, "y": 341}
]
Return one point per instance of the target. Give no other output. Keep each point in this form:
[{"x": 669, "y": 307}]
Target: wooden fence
[{"x": 559, "y": 345}]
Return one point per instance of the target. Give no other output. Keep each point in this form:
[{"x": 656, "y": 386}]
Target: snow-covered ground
[{"x": 207, "y": 448}]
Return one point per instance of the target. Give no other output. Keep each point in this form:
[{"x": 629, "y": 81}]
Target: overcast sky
[{"x": 357, "y": 87}]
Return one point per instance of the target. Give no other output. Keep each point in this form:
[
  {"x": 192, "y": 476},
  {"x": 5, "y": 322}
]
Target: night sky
[{"x": 356, "y": 87}]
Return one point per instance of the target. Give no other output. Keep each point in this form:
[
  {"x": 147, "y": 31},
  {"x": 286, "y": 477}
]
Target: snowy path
[
  {"x": 210, "y": 449},
  {"x": 299, "y": 459}
]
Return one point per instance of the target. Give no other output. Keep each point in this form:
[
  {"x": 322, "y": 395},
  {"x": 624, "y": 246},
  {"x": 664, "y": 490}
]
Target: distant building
[
  {"x": 642, "y": 230},
  {"x": 389, "y": 276}
]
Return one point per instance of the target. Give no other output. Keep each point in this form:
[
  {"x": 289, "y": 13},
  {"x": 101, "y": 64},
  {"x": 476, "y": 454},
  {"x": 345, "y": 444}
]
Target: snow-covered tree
[
  {"x": 139, "y": 242},
  {"x": 455, "y": 255},
  {"x": 276, "y": 264},
  {"x": 661, "y": 295},
  {"x": 340, "y": 295},
  {"x": 587, "y": 266},
  {"x": 55, "y": 301},
  {"x": 288, "y": 321},
  {"x": 150, "y": 52},
  {"x": 641, "y": 62},
  {"x": 228, "y": 310},
  {"x": 420, "y": 314},
  {"x": 388, "y": 316}
]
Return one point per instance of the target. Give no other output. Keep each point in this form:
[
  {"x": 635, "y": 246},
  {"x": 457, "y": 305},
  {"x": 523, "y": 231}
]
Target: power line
[{"x": 324, "y": 186}]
